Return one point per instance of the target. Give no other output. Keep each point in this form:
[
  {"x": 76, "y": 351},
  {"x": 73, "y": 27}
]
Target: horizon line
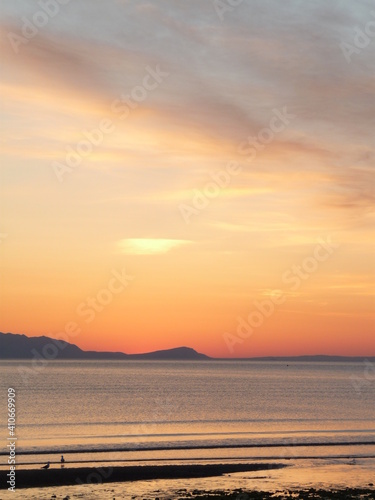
[{"x": 266, "y": 356}]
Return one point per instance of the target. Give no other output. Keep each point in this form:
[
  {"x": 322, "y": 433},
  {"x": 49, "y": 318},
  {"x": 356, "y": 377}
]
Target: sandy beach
[{"x": 245, "y": 481}]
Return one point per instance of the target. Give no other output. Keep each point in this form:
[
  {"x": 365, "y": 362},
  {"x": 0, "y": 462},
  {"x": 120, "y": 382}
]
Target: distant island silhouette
[{"x": 18, "y": 346}]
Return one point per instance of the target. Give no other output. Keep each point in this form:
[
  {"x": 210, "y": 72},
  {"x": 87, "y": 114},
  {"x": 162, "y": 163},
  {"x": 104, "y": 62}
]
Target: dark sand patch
[
  {"x": 74, "y": 476},
  {"x": 308, "y": 494}
]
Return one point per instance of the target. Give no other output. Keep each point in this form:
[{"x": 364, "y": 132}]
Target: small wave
[{"x": 110, "y": 448}]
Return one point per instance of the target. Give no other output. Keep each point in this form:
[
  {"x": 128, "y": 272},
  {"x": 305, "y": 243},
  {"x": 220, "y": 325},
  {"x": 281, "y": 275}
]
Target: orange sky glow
[{"x": 173, "y": 178}]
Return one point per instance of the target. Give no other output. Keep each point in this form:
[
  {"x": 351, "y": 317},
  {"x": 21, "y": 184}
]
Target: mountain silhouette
[{"x": 15, "y": 346}]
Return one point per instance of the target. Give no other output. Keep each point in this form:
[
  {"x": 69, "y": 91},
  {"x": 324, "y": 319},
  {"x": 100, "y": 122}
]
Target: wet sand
[
  {"x": 316, "y": 494},
  {"x": 295, "y": 480},
  {"x": 232, "y": 482}
]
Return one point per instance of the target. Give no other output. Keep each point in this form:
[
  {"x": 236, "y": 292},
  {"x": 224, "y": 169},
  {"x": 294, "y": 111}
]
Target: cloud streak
[
  {"x": 149, "y": 246},
  {"x": 225, "y": 79}
]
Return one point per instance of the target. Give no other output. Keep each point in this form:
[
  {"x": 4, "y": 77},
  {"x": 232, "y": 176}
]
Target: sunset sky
[{"x": 218, "y": 147}]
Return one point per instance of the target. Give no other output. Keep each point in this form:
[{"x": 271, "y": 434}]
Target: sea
[{"x": 316, "y": 417}]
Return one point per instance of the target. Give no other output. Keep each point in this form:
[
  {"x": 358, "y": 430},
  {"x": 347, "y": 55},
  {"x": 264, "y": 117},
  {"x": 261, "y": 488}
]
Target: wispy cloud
[
  {"x": 149, "y": 246},
  {"x": 224, "y": 80}
]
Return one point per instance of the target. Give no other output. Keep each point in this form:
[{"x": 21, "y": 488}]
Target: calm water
[{"x": 133, "y": 411}]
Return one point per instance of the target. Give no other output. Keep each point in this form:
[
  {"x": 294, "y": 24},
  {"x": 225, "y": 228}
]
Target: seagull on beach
[
  {"x": 62, "y": 459},
  {"x": 46, "y": 466}
]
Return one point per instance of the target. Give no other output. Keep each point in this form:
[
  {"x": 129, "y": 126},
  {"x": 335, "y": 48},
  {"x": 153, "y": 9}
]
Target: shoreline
[
  {"x": 189, "y": 459},
  {"x": 188, "y": 447},
  {"x": 38, "y": 478}
]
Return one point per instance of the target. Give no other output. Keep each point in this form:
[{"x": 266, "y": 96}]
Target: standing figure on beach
[{"x": 62, "y": 460}]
